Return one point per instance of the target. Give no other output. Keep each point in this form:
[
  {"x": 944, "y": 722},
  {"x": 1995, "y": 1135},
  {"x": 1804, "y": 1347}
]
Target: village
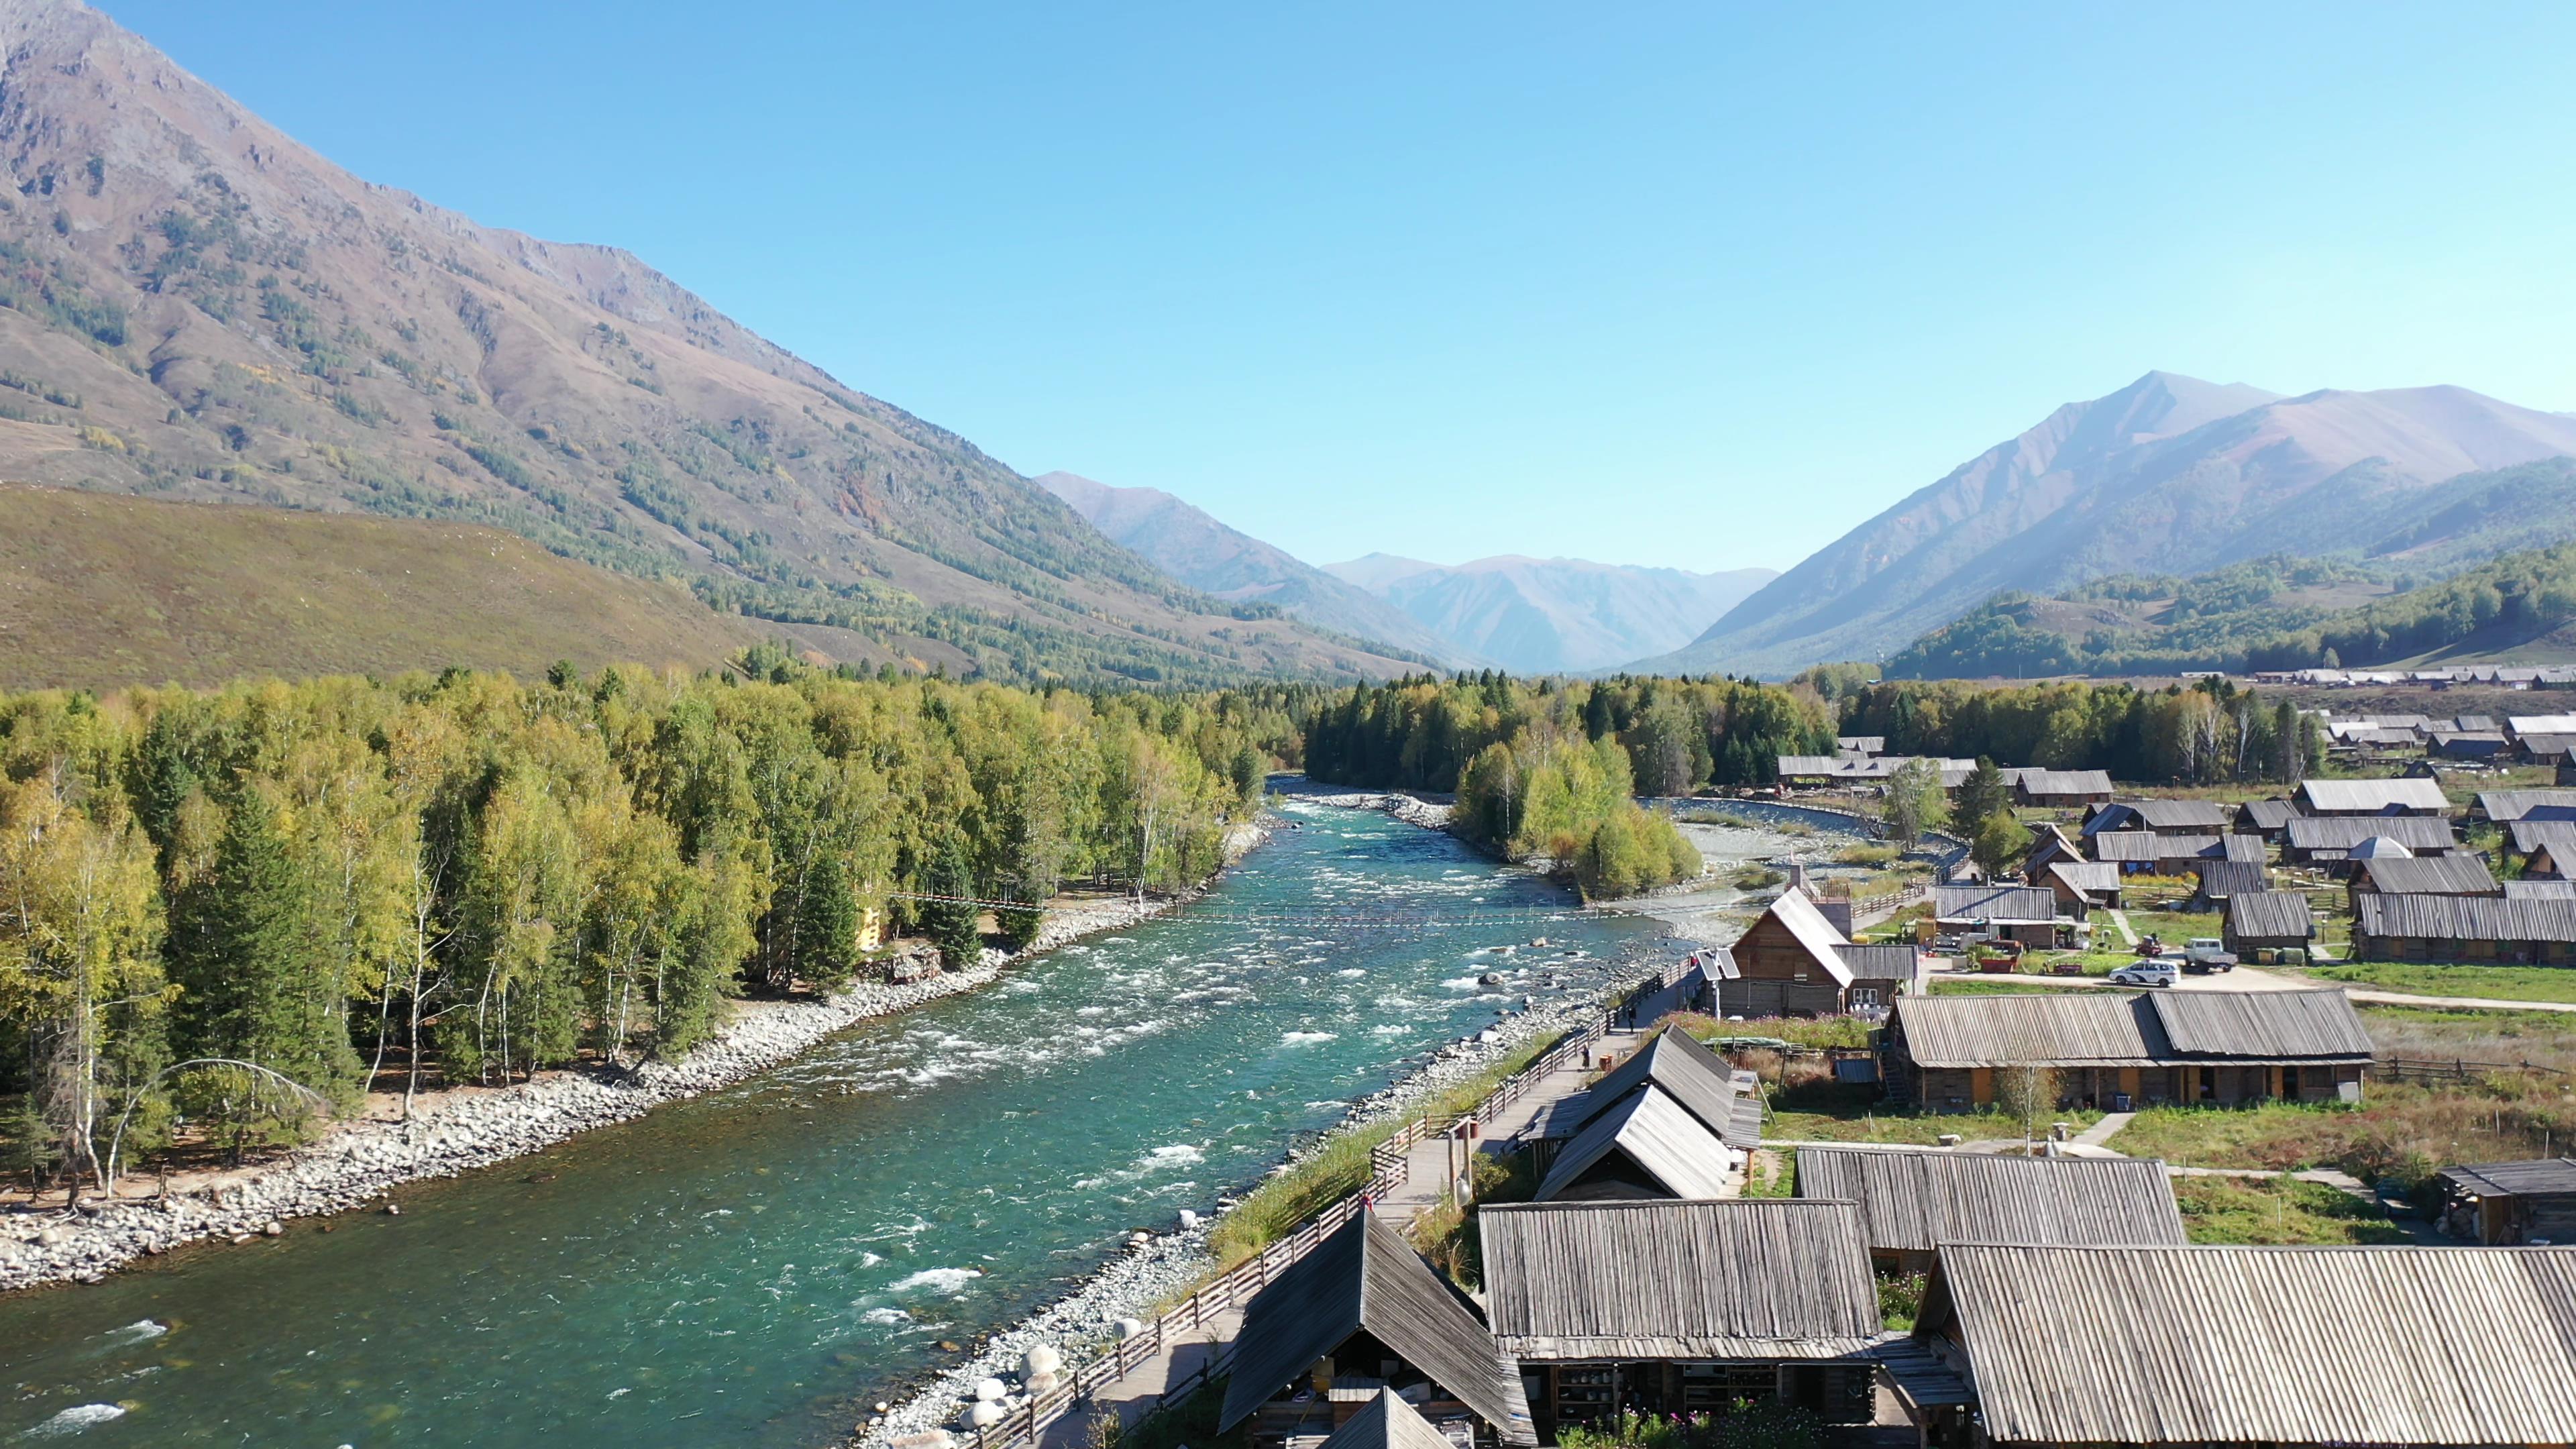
[{"x": 2207, "y": 1121}]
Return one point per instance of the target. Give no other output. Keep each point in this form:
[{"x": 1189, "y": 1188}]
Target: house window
[{"x": 1863, "y": 997}]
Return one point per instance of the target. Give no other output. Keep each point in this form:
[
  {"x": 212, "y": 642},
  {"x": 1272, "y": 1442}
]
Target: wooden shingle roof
[
  {"x": 2227, "y": 879},
  {"x": 2466, "y": 918},
  {"x": 2227, "y": 1345},
  {"x": 2271, "y": 915},
  {"x": 2343, "y": 832},
  {"x": 2106, "y": 1030},
  {"x": 1365, "y": 1276},
  {"x": 2265, "y": 815},
  {"x": 1665, "y": 1141},
  {"x": 2429, "y": 875},
  {"x": 2086, "y": 877},
  {"x": 2012, "y": 903},
  {"x": 2545, "y": 1176},
  {"x": 2370, "y": 797},
  {"x": 1743, "y": 1278},
  {"x": 2506, "y": 806},
  {"x": 2064, "y": 782},
  {"x": 1698, "y": 1080},
  {"x": 1914, "y": 1201},
  {"x": 2530, "y": 835},
  {"x": 1386, "y": 1422},
  {"x": 2183, "y": 815}
]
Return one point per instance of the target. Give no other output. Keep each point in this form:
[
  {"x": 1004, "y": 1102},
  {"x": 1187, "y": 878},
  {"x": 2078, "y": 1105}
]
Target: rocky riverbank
[
  {"x": 1431, "y": 812},
  {"x": 1161, "y": 1267},
  {"x": 458, "y": 1131}
]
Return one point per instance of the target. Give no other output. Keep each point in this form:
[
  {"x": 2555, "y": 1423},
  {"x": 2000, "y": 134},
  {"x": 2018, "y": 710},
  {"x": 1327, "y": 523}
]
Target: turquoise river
[{"x": 755, "y": 1266}]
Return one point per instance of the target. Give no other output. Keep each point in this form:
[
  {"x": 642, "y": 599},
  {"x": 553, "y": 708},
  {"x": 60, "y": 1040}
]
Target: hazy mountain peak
[{"x": 1553, "y": 615}]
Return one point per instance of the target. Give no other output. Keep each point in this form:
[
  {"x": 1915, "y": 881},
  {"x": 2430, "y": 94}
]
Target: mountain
[
  {"x": 2410, "y": 593},
  {"x": 1193, "y": 547},
  {"x": 195, "y": 306},
  {"x": 1550, "y": 616},
  {"x": 2167, "y": 475},
  {"x": 99, "y": 591}
]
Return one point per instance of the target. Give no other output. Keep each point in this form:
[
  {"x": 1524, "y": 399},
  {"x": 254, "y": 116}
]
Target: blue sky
[{"x": 1675, "y": 285}]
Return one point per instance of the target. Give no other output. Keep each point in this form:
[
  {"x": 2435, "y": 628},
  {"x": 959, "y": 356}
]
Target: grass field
[
  {"x": 1833, "y": 1112},
  {"x": 103, "y": 590},
  {"x": 2279, "y": 1211},
  {"x": 1987, "y": 986},
  {"x": 2500, "y": 983}
]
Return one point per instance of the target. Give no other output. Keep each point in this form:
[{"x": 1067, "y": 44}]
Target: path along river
[{"x": 753, "y": 1267}]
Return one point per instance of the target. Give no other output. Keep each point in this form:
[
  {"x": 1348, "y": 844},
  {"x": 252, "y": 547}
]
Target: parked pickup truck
[{"x": 2207, "y": 954}]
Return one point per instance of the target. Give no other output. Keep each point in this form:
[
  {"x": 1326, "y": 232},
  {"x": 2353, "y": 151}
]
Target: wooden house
[
  {"x": 2504, "y": 807},
  {"x": 1914, "y": 1200},
  {"x": 1646, "y": 1145},
  {"x": 2266, "y": 818},
  {"x": 2062, "y": 789},
  {"x": 2420, "y": 875},
  {"x": 2269, "y": 921},
  {"x": 1949, "y": 1053},
  {"x": 1683, "y": 1308},
  {"x": 2027, "y": 914},
  {"x": 1795, "y": 962},
  {"x": 2050, "y": 843},
  {"x": 2507, "y": 1204},
  {"x": 2167, "y": 1346},
  {"x": 2370, "y": 797},
  {"x": 2081, "y": 886},
  {"x": 2536, "y": 931},
  {"x": 2146, "y": 852},
  {"x": 2223, "y": 880},
  {"x": 1359, "y": 1314},
  {"x": 2328, "y": 842},
  {"x": 1862, "y": 745},
  {"x": 2546, "y": 749},
  {"x": 2547, "y": 848},
  {"x": 1724, "y": 1102},
  {"x": 2476, "y": 745},
  {"x": 1386, "y": 1421},
  {"x": 2160, "y": 817}
]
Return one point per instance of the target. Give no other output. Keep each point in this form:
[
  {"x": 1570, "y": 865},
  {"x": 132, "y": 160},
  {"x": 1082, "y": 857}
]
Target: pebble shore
[
  {"x": 1162, "y": 1266},
  {"x": 357, "y": 1162}
]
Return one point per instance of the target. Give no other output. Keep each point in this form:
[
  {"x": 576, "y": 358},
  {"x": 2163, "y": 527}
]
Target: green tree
[
  {"x": 1982, "y": 796},
  {"x": 1998, "y": 844},
  {"x": 1912, "y": 802},
  {"x": 950, "y": 922}
]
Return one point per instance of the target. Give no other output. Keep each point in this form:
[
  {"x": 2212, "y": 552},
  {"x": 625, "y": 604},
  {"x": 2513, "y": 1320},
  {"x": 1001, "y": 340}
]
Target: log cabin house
[
  {"x": 1794, "y": 962},
  {"x": 2116, "y": 1051},
  {"x": 2259, "y": 921},
  {"x": 2529, "y": 930},
  {"x": 1683, "y": 1308},
  {"x": 1359, "y": 1314},
  {"x": 1912, "y": 1200},
  {"x": 2081, "y": 886},
  {"x": 2061, "y": 789},
  {"x": 2036, "y": 1345},
  {"x": 2508, "y": 1204}
]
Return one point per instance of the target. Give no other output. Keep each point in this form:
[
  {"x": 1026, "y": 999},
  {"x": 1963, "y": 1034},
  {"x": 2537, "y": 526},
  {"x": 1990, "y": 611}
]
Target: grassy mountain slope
[
  {"x": 2410, "y": 600},
  {"x": 193, "y": 305},
  {"x": 98, "y": 591},
  {"x": 1547, "y": 616},
  {"x": 1190, "y": 544},
  {"x": 2168, "y": 475}
]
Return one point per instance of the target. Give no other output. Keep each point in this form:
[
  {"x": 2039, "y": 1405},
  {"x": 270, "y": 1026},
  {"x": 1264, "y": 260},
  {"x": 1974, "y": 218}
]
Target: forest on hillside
[
  {"x": 2210, "y": 733},
  {"x": 2252, "y": 616},
  {"x": 475, "y": 878}
]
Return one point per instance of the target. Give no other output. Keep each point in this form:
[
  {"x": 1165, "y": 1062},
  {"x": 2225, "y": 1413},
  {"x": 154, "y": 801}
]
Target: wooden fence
[
  {"x": 2453, "y": 1069},
  {"x": 1237, "y": 1285}
]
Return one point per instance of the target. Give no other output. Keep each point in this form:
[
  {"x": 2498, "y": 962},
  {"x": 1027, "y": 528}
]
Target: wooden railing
[
  {"x": 1237, "y": 1285},
  {"x": 2453, "y": 1069}
]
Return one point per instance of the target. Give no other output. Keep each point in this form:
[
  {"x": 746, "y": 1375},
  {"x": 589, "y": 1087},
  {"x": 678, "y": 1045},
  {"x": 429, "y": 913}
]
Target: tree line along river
[{"x": 755, "y": 1266}]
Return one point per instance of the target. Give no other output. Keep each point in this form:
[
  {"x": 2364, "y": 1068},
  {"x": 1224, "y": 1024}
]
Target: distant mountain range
[
  {"x": 2169, "y": 475},
  {"x": 195, "y": 306},
  {"x": 1529, "y": 616},
  {"x": 1556, "y": 615},
  {"x": 1196, "y": 549}
]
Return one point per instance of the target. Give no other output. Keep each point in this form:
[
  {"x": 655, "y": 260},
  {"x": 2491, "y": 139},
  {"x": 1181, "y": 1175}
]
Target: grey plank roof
[
  {"x": 2265, "y": 815},
  {"x": 1698, "y": 1080},
  {"x": 2539, "y": 889},
  {"x": 1916, "y": 1201},
  {"x": 2344, "y": 797},
  {"x": 2415, "y": 832},
  {"x": 2227, "y": 879},
  {"x": 1366, "y": 1276},
  {"x": 2466, "y": 918},
  {"x": 2100, "y": 1029},
  {"x": 1865, "y": 744},
  {"x": 2376, "y": 1346},
  {"x": 1665, "y": 1141},
  {"x": 2182, "y": 815},
  {"x": 2232, "y": 846},
  {"x": 1994, "y": 903},
  {"x": 2271, "y": 915},
  {"x": 1743, "y": 1278},
  {"x": 2545, "y": 1175},
  {"x": 1386, "y": 1422},
  {"x": 2261, "y": 1025},
  {"x": 2065, "y": 782},
  {"x": 2507, "y": 806},
  {"x": 2547, "y": 747},
  {"x": 2530, "y": 835},
  {"x": 2087, "y": 877},
  {"x": 1894, "y": 962},
  {"x": 2130, "y": 847},
  {"x": 2429, "y": 875}
]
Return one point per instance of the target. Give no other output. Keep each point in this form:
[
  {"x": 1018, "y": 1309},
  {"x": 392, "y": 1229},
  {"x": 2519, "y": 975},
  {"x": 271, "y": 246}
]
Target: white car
[{"x": 2146, "y": 973}]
